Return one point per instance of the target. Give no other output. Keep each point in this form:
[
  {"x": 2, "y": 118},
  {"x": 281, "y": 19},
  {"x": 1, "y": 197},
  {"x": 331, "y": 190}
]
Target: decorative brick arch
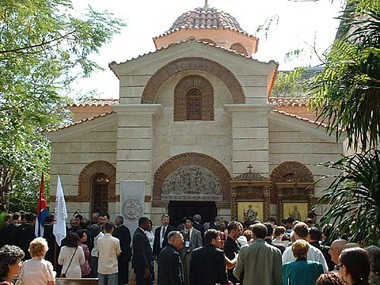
[
  {"x": 85, "y": 180},
  {"x": 180, "y": 93},
  {"x": 191, "y": 158},
  {"x": 292, "y": 172},
  {"x": 193, "y": 64},
  {"x": 239, "y": 48},
  {"x": 292, "y": 181}
]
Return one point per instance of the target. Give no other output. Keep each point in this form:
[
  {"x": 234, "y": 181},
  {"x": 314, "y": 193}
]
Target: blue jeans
[{"x": 108, "y": 279}]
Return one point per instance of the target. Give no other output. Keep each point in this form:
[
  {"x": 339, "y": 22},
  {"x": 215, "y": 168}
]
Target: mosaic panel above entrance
[{"x": 191, "y": 182}]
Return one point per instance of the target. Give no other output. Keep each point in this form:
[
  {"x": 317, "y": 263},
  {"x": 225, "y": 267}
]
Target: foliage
[
  {"x": 347, "y": 94},
  {"x": 43, "y": 48},
  {"x": 354, "y": 197},
  {"x": 3, "y": 217},
  {"x": 294, "y": 83}
]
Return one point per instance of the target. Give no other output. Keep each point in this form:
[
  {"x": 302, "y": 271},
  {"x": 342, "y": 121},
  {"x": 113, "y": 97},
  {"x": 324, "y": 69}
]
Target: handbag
[{"x": 63, "y": 275}]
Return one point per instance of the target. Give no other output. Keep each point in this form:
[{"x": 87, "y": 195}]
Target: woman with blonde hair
[
  {"x": 301, "y": 271},
  {"x": 37, "y": 271}
]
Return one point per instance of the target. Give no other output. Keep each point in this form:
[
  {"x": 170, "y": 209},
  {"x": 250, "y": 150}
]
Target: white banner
[
  {"x": 59, "y": 227},
  {"x": 132, "y": 194}
]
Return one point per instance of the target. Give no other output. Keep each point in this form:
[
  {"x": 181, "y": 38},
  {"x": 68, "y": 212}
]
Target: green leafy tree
[
  {"x": 347, "y": 98},
  {"x": 43, "y": 48},
  {"x": 294, "y": 83}
]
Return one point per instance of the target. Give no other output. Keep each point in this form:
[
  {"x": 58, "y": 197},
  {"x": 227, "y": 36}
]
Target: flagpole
[{"x": 55, "y": 255}]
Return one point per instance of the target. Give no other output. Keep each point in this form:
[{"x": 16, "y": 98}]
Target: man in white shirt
[
  {"x": 109, "y": 249},
  {"x": 313, "y": 254}
]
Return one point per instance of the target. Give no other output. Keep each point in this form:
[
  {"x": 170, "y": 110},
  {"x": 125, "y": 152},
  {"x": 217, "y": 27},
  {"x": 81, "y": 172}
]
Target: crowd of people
[{"x": 191, "y": 253}]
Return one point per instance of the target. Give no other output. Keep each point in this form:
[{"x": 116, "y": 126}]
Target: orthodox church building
[{"x": 195, "y": 130}]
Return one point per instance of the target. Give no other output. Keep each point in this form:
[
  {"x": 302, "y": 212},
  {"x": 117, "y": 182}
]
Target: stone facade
[{"x": 148, "y": 135}]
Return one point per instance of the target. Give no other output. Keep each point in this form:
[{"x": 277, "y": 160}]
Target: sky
[{"x": 300, "y": 24}]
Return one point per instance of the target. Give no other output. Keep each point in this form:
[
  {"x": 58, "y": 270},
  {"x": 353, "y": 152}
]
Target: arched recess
[
  {"x": 239, "y": 48},
  {"x": 88, "y": 173},
  {"x": 193, "y": 64},
  {"x": 292, "y": 171},
  {"x": 292, "y": 182},
  {"x": 191, "y": 158},
  {"x": 181, "y": 91}
]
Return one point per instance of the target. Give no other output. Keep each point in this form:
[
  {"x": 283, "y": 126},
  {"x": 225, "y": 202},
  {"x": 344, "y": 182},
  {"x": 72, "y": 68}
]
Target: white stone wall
[
  {"x": 74, "y": 148},
  {"x": 310, "y": 147}
]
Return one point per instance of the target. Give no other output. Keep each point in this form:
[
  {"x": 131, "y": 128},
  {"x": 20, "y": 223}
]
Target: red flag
[{"x": 42, "y": 210}]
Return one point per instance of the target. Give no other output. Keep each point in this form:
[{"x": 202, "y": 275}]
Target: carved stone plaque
[{"x": 191, "y": 182}]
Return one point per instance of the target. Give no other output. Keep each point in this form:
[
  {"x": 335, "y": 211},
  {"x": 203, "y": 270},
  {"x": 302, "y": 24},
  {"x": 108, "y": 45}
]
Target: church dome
[
  {"x": 211, "y": 26},
  {"x": 205, "y": 18}
]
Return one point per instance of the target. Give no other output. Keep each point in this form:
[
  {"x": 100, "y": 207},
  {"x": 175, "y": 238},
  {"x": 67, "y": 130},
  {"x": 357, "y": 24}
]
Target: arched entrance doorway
[
  {"x": 192, "y": 182},
  {"x": 180, "y": 209}
]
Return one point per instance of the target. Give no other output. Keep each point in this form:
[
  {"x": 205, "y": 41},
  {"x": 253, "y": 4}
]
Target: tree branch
[{"x": 16, "y": 50}]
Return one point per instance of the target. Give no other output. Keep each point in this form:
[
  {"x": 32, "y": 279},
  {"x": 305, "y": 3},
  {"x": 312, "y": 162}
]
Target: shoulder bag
[{"x": 63, "y": 275}]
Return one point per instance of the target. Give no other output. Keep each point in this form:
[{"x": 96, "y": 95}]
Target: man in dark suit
[
  {"x": 123, "y": 234},
  {"x": 197, "y": 225},
  {"x": 24, "y": 234},
  {"x": 208, "y": 266},
  {"x": 161, "y": 235},
  {"x": 170, "y": 268},
  {"x": 231, "y": 246},
  {"x": 216, "y": 223},
  {"x": 142, "y": 253}
]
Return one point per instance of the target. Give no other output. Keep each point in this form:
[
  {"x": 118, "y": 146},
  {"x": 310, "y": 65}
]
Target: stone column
[
  {"x": 250, "y": 137},
  {"x": 134, "y": 145}
]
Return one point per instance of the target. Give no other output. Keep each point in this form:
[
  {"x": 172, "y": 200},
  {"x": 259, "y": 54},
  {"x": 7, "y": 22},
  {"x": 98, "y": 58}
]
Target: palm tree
[
  {"x": 354, "y": 197},
  {"x": 346, "y": 96}
]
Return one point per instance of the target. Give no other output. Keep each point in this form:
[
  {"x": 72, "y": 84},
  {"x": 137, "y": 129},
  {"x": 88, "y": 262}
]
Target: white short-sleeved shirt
[
  {"x": 78, "y": 259},
  {"x": 313, "y": 254},
  {"x": 37, "y": 271},
  {"x": 109, "y": 249}
]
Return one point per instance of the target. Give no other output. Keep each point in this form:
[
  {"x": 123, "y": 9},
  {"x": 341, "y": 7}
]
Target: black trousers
[{"x": 140, "y": 280}]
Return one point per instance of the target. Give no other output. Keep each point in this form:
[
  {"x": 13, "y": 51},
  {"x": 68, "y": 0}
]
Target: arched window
[
  {"x": 100, "y": 184},
  {"x": 194, "y": 104},
  {"x": 239, "y": 48},
  {"x": 193, "y": 99}
]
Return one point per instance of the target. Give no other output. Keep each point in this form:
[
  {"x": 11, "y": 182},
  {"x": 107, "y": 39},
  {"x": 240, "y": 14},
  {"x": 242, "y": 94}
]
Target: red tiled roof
[
  {"x": 97, "y": 102},
  {"x": 288, "y": 102},
  {"x": 82, "y": 121},
  {"x": 205, "y": 18},
  {"x": 301, "y": 118}
]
